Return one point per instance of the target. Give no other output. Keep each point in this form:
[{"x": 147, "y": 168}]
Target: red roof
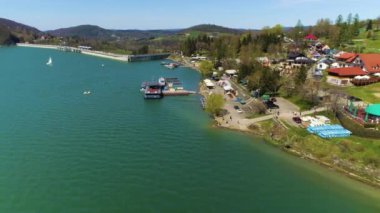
[
  {"x": 348, "y": 57},
  {"x": 371, "y": 62},
  {"x": 311, "y": 37},
  {"x": 347, "y": 71}
]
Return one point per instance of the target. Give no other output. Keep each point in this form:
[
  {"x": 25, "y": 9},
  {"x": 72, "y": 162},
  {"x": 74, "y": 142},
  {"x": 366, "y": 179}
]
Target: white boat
[
  {"x": 50, "y": 62},
  {"x": 88, "y": 92}
]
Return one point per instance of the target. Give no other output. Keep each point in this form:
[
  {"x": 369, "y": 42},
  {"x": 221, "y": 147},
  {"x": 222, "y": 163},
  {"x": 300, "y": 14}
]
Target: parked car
[
  {"x": 271, "y": 105},
  {"x": 237, "y": 108},
  {"x": 297, "y": 120}
]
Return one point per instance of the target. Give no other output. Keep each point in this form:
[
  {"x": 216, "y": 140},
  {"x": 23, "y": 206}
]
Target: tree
[
  {"x": 369, "y": 25},
  {"x": 143, "y": 50},
  {"x": 189, "y": 46},
  {"x": 298, "y": 31},
  {"x": 349, "y": 19},
  {"x": 214, "y": 104},
  {"x": 206, "y": 68},
  {"x": 339, "y": 21},
  {"x": 301, "y": 76},
  {"x": 356, "y": 25}
]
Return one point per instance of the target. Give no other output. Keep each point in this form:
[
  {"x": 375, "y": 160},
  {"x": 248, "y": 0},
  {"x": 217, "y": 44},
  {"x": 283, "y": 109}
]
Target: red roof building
[
  {"x": 371, "y": 62},
  {"x": 347, "y": 57},
  {"x": 311, "y": 37},
  {"x": 347, "y": 71}
]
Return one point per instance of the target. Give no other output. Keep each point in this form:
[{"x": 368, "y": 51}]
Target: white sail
[{"x": 50, "y": 61}]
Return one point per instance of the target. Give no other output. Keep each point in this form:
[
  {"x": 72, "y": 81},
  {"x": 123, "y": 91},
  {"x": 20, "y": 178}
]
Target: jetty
[{"x": 164, "y": 87}]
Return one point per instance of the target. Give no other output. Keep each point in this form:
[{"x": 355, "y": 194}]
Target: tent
[{"x": 231, "y": 72}]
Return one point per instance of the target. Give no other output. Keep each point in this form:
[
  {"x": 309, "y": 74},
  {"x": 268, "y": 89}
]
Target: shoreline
[
  {"x": 242, "y": 126},
  {"x": 307, "y": 156},
  {"x": 100, "y": 54}
]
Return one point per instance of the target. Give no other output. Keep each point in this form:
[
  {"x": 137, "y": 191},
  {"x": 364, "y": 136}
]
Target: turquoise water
[{"x": 112, "y": 151}]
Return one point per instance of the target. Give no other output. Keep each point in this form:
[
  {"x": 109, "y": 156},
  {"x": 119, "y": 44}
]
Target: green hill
[
  {"x": 96, "y": 32},
  {"x": 211, "y": 28},
  {"x": 12, "y": 32}
]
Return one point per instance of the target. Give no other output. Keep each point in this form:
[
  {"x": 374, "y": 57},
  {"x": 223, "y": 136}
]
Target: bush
[{"x": 357, "y": 129}]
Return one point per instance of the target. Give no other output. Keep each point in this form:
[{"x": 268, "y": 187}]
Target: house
[
  {"x": 343, "y": 76},
  {"x": 322, "y": 65},
  {"x": 345, "y": 57},
  {"x": 231, "y": 72},
  {"x": 310, "y": 37},
  {"x": 368, "y": 62}
]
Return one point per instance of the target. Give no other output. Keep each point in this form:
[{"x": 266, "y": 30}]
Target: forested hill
[
  {"x": 211, "y": 28},
  {"x": 12, "y": 32},
  {"x": 96, "y": 32}
]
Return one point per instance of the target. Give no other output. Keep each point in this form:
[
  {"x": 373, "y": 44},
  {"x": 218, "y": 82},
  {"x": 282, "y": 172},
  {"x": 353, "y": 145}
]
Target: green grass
[
  {"x": 360, "y": 152},
  {"x": 370, "y": 45},
  {"x": 301, "y": 103},
  {"x": 369, "y": 93}
]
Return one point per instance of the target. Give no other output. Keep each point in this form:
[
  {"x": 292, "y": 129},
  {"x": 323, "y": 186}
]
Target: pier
[{"x": 69, "y": 49}]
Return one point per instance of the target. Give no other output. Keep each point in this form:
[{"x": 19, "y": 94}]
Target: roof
[
  {"x": 348, "y": 57},
  {"x": 347, "y": 71},
  {"x": 311, "y": 37},
  {"x": 373, "y": 109},
  {"x": 371, "y": 62}
]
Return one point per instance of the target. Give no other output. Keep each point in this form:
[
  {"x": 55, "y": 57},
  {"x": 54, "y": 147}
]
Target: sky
[{"x": 175, "y": 14}]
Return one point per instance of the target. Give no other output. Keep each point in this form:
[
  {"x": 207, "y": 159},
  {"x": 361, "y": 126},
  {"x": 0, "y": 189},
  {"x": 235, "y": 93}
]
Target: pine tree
[
  {"x": 356, "y": 25},
  {"x": 369, "y": 25},
  {"x": 339, "y": 21}
]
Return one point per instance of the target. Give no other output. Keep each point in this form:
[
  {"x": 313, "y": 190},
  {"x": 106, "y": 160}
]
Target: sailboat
[{"x": 50, "y": 62}]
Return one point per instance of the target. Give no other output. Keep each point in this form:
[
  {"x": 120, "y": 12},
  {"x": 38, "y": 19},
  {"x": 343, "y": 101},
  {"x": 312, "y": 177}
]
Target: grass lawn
[
  {"x": 301, "y": 103},
  {"x": 370, "y": 93},
  {"x": 371, "y": 45},
  {"x": 358, "y": 151}
]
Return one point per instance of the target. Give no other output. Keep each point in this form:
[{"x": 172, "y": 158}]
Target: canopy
[
  {"x": 265, "y": 97},
  {"x": 373, "y": 109},
  {"x": 231, "y": 72}
]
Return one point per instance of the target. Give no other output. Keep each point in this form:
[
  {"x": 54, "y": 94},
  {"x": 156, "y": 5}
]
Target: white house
[{"x": 322, "y": 66}]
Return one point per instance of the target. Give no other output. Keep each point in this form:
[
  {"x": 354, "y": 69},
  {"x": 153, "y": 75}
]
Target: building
[
  {"x": 343, "y": 76},
  {"x": 354, "y": 65}
]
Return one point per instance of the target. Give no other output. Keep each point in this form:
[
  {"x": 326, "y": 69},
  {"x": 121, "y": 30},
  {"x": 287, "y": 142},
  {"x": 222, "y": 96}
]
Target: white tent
[
  {"x": 366, "y": 77},
  {"x": 209, "y": 83},
  {"x": 231, "y": 72},
  {"x": 228, "y": 88}
]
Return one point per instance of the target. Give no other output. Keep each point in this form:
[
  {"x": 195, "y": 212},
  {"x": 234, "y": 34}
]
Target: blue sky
[{"x": 171, "y": 14}]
